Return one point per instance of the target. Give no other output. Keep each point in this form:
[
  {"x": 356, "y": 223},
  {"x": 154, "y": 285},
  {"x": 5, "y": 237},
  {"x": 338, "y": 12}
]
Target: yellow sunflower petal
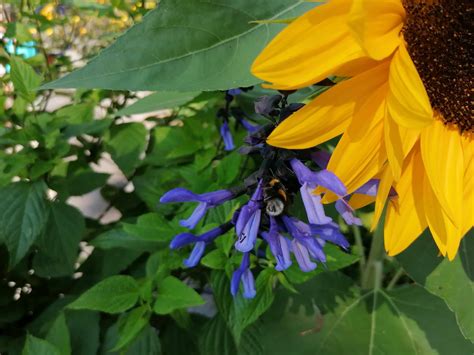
[
  {"x": 309, "y": 49},
  {"x": 445, "y": 234},
  {"x": 383, "y": 191},
  {"x": 398, "y": 143},
  {"x": 468, "y": 196},
  {"x": 358, "y": 201},
  {"x": 377, "y": 25},
  {"x": 329, "y": 114},
  {"x": 443, "y": 158},
  {"x": 405, "y": 219},
  {"x": 360, "y": 157},
  {"x": 407, "y": 102}
]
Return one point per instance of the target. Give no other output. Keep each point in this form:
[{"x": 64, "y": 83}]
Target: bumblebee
[{"x": 274, "y": 197}]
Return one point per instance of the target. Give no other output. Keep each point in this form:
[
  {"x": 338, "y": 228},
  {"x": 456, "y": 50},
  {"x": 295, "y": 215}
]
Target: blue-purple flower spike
[
  {"x": 279, "y": 246},
  {"x": 200, "y": 242},
  {"x": 227, "y": 136},
  {"x": 248, "y": 222},
  {"x": 244, "y": 275},
  {"x": 206, "y": 201}
]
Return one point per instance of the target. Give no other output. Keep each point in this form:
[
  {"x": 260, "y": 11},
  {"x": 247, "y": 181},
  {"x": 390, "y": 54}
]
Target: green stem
[
  {"x": 360, "y": 247},
  {"x": 395, "y": 278},
  {"x": 376, "y": 256}
]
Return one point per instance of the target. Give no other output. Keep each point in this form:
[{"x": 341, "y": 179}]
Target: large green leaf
[
  {"x": 453, "y": 281},
  {"x": 37, "y": 346},
  {"x": 58, "y": 245},
  {"x": 127, "y": 143},
  {"x": 115, "y": 294},
  {"x": 58, "y": 334},
  {"x": 187, "y": 45},
  {"x": 24, "y": 78},
  {"x": 158, "y": 101},
  {"x": 174, "y": 294},
  {"x": 23, "y": 215},
  {"x": 332, "y": 316},
  {"x": 84, "y": 331}
]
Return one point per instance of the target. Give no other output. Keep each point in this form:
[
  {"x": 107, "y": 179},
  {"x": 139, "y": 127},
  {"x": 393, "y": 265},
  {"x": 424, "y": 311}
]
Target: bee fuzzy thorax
[{"x": 275, "y": 197}]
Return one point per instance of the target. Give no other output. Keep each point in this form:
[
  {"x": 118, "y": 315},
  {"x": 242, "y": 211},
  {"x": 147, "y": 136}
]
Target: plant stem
[
  {"x": 395, "y": 278},
  {"x": 376, "y": 255},
  {"x": 360, "y": 247}
]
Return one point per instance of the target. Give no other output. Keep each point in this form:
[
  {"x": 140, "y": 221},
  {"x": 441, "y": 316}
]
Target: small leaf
[
  {"x": 127, "y": 143},
  {"x": 174, "y": 294},
  {"x": 37, "y": 346},
  {"x": 84, "y": 331},
  {"x": 153, "y": 227},
  {"x": 23, "y": 215},
  {"x": 59, "y": 243},
  {"x": 58, "y": 335},
  {"x": 216, "y": 259},
  {"x": 130, "y": 326},
  {"x": 113, "y": 295},
  {"x": 229, "y": 168},
  {"x": 24, "y": 78},
  {"x": 158, "y": 101}
]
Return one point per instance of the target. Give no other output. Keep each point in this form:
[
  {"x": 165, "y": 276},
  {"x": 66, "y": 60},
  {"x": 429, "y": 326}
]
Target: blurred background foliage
[{"x": 85, "y": 266}]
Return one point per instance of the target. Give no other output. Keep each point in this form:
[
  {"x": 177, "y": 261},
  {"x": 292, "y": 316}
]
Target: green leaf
[
  {"x": 216, "y": 339},
  {"x": 113, "y": 295},
  {"x": 215, "y": 259},
  {"x": 147, "y": 342},
  {"x": 94, "y": 128},
  {"x": 127, "y": 143},
  {"x": 58, "y": 335},
  {"x": 37, "y": 346},
  {"x": 77, "y": 113},
  {"x": 158, "y": 101},
  {"x": 84, "y": 330},
  {"x": 247, "y": 311},
  {"x": 184, "y": 46},
  {"x": 118, "y": 238},
  {"x": 153, "y": 227},
  {"x": 453, "y": 281},
  {"x": 23, "y": 215},
  {"x": 336, "y": 259},
  {"x": 174, "y": 294},
  {"x": 228, "y": 168},
  {"x": 24, "y": 78},
  {"x": 130, "y": 326},
  {"x": 332, "y": 316},
  {"x": 58, "y": 245}
]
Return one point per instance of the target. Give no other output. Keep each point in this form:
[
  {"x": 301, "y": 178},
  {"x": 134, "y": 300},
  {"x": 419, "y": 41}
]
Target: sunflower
[{"x": 405, "y": 110}]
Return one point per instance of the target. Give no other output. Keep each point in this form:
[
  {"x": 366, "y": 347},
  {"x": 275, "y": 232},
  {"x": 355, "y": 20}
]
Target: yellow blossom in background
[
  {"x": 48, "y": 11},
  {"x": 405, "y": 113}
]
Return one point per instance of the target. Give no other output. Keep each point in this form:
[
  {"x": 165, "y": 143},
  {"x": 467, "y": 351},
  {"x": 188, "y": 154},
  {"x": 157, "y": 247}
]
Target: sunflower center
[{"x": 439, "y": 36}]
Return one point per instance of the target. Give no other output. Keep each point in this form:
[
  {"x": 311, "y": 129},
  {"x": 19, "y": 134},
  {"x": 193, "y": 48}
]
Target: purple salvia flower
[
  {"x": 227, "y": 136},
  {"x": 200, "y": 241},
  {"x": 313, "y": 206},
  {"x": 330, "y": 233},
  {"x": 278, "y": 246},
  {"x": 206, "y": 201},
  {"x": 248, "y": 222},
  {"x": 347, "y": 212},
  {"x": 243, "y": 274},
  {"x": 302, "y": 256},
  {"x": 321, "y": 158},
  {"x": 234, "y": 92},
  {"x": 196, "y": 254},
  {"x": 322, "y": 178},
  {"x": 248, "y": 126},
  {"x": 304, "y": 235}
]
